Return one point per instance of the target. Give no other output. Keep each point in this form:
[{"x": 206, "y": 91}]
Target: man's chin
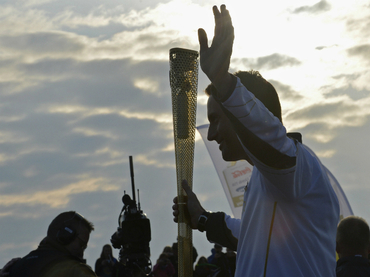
[{"x": 228, "y": 158}]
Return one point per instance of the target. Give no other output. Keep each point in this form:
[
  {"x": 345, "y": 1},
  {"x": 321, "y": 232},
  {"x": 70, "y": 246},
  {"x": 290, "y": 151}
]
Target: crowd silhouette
[
  {"x": 221, "y": 264},
  {"x": 53, "y": 256}
]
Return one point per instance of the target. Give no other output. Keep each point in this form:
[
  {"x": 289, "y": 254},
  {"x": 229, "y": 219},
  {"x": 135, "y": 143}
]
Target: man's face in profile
[
  {"x": 78, "y": 246},
  {"x": 221, "y": 131}
]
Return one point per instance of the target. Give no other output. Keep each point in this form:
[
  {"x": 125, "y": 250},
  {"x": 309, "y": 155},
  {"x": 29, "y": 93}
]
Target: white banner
[
  {"x": 344, "y": 206},
  {"x": 234, "y": 176}
]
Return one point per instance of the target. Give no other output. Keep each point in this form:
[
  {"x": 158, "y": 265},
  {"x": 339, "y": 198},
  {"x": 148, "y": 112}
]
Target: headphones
[{"x": 66, "y": 234}]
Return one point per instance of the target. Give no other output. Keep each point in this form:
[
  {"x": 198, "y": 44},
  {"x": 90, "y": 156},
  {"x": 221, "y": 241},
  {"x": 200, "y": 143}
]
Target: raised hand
[{"x": 215, "y": 60}]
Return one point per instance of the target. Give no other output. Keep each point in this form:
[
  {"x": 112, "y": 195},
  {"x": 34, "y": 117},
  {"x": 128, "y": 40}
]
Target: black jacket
[
  {"x": 52, "y": 260},
  {"x": 354, "y": 266}
]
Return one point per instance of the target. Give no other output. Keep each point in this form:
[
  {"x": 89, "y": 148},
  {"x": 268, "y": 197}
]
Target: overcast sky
[{"x": 84, "y": 85}]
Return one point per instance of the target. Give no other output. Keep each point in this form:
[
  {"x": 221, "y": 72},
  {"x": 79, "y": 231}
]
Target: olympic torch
[{"x": 184, "y": 85}]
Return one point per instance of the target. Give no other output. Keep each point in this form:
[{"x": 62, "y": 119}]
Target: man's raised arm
[{"x": 215, "y": 60}]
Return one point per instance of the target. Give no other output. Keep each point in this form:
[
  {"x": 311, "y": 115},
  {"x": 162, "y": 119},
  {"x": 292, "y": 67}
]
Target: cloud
[
  {"x": 322, "y": 110},
  {"x": 80, "y": 117},
  {"x": 359, "y": 24},
  {"x": 285, "y": 92},
  {"x": 11, "y": 246},
  {"x": 59, "y": 197},
  {"x": 319, "y": 7},
  {"x": 351, "y": 92},
  {"x": 362, "y": 51},
  {"x": 270, "y": 62},
  {"x": 30, "y": 3},
  {"x": 329, "y": 115},
  {"x": 15, "y": 20},
  {"x": 42, "y": 44},
  {"x": 322, "y": 47},
  {"x": 320, "y": 132},
  {"x": 100, "y": 34},
  {"x": 355, "y": 83}
]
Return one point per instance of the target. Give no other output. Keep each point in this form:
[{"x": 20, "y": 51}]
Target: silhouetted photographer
[{"x": 61, "y": 252}]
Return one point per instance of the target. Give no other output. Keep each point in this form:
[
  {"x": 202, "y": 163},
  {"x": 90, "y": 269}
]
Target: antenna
[
  {"x": 138, "y": 199},
  {"x": 132, "y": 178}
]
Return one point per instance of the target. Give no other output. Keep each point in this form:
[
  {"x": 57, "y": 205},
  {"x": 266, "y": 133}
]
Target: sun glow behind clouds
[{"x": 315, "y": 34}]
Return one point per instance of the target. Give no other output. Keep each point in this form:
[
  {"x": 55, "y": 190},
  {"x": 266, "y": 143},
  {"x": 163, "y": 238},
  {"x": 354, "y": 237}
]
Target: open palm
[{"x": 215, "y": 60}]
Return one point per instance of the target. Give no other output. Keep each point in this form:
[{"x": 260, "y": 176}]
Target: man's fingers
[
  {"x": 226, "y": 18},
  {"x": 175, "y": 210},
  {"x": 203, "y": 40},
  {"x": 218, "y": 17},
  {"x": 224, "y": 24},
  {"x": 176, "y": 216},
  {"x": 218, "y": 23},
  {"x": 228, "y": 26},
  {"x": 216, "y": 12}
]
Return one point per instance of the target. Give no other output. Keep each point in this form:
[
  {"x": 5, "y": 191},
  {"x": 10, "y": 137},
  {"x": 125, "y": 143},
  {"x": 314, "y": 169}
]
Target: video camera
[{"x": 132, "y": 237}]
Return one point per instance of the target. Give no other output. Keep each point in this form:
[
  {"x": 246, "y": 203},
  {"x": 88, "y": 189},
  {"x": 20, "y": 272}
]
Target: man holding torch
[{"x": 290, "y": 211}]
